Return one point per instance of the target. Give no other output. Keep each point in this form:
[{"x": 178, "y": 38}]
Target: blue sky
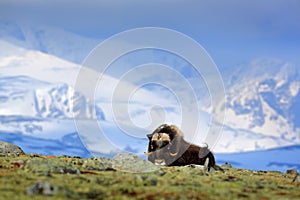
[{"x": 232, "y": 32}]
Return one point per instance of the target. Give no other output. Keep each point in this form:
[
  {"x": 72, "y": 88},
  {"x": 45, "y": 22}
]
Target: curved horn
[
  {"x": 173, "y": 154},
  {"x": 148, "y": 153}
]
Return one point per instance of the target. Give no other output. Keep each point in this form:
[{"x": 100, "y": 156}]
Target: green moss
[{"x": 92, "y": 180}]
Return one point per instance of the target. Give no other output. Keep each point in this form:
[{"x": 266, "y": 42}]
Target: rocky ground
[{"x": 128, "y": 177}]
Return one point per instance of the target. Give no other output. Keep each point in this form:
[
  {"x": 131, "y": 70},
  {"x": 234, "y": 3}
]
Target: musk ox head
[{"x": 166, "y": 144}]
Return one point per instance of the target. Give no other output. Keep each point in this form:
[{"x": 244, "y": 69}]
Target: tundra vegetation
[{"x": 31, "y": 176}]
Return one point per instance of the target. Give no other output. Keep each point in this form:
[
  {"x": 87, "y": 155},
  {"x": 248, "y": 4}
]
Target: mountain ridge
[{"x": 262, "y": 96}]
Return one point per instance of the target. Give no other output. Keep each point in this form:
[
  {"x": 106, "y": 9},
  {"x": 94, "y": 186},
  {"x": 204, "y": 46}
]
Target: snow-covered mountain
[
  {"x": 265, "y": 83},
  {"x": 25, "y": 96},
  {"x": 38, "y": 70},
  {"x": 38, "y": 100},
  {"x": 262, "y": 105}
]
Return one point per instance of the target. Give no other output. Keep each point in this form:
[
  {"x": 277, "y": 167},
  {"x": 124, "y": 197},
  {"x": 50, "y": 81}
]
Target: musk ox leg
[{"x": 206, "y": 164}]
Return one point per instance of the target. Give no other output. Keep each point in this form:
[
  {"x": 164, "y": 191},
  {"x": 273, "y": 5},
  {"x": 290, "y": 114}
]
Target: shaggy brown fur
[{"x": 167, "y": 147}]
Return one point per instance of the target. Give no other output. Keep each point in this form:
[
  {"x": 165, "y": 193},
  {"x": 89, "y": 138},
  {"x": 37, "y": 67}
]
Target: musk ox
[{"x": 167, "y": 147}]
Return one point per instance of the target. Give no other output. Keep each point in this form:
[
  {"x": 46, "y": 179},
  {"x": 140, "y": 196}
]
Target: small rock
[
  {"x": 125, "y": 157},
  {"x": 18, "y": 163},
  {"x": 98, "y": 164},
  {"x": 52, "y": 166},
  {"x": 132, "y": 163},
  {"x": 7, "y": 149},
  {"x": 292, "y": 171},
  {"x": 42, "y": 188},
  {"x": 226, "y": 166}
]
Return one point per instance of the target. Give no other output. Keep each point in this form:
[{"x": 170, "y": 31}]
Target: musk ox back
[{"x": 167, "y": 147}]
